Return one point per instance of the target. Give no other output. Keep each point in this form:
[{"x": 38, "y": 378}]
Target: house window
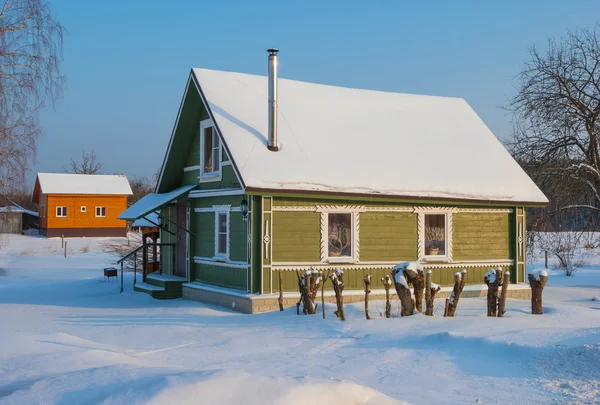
[
  {"x": 222, "y": 235},
  {"x": 210, "y": 149},
  {"x": 340, "y": 236},
  {"x": 435, "y": 235},
  {"x": 100, "y": 212},
  {"x": 61, "y": 212},
  {"x": 83, "y": 209}
]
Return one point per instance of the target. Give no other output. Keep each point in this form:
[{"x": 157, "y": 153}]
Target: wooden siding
[
  {"x": 255, "y": 218},
  {"x": 228, "y": 180},
  {"x": 166, "y": 252},
  {"x": 481, "y": 236},
  {"x": 353, "y": 279},
  {"x": 43, "y": 211},
  {"x": 388, "y": 236},
  {"x": 205, "y": 234},
  {"x": 222, "y": 276},
  {"x": 77, "y": 219},
  {"x": 204, "y": 246},
  {"x": 192, "y": 112},
  {"x": 296, "y": 237}
]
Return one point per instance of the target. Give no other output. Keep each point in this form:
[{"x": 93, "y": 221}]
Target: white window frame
[
  {"x": 222, "y": 211},
  {"x": 83, "y": 208},
  {"x": 216, "y": 174},
  {"x": 447, "y": 257},
  {"x": 355, "y": 224},
  {"x": 63, "y": 210},
  {"x": 101, "y": 216}
]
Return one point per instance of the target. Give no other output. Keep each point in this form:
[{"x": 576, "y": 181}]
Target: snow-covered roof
[
  {"x": 151, "y": 202},
  {"x": 342, "y": 140},
  {"x": 67, "y": 183},
  {"x": 14, "y": 207}
]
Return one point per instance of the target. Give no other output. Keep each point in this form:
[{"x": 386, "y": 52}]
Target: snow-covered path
[{"x": 69, "y": 337}]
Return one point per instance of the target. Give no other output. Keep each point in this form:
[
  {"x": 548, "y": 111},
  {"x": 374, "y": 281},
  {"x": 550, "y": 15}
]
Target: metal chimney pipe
[{"x": 272, "y": 143}]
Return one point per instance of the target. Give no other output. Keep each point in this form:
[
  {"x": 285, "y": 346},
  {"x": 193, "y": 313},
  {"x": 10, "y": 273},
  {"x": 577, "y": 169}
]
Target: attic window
[{"x": 210, "y": 150}]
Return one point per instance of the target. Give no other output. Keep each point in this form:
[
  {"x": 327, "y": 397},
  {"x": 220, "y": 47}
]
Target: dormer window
[{"x": 210, "y": 150}]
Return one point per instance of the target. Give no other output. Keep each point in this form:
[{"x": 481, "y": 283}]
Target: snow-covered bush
[{"x": 565, "y": 246}]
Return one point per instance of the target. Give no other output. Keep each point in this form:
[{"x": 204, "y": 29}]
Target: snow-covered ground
[{"x": 69, "y": 337}]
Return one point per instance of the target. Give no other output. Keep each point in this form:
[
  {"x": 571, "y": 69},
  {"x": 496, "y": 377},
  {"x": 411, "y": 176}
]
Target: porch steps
[
  {"x": 153, "y": 290},
  {"x": 161, "y": 286}
]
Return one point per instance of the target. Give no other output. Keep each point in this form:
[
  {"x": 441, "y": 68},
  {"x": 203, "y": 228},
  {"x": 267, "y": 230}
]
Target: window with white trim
[
  {"x": 100, "y": 212},
  {"x": 210, "y": 150},
  {"x": 83, "y": 208},
  {"x": 435, "y": 235},
  {"x": 61, "y": 212},
  {"x": 222, "y": 234},
  {"x": 339, "y": 236}
]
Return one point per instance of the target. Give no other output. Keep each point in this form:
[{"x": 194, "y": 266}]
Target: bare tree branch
[
  {"x": 87, "y": 165},
  {"x": 30, "y": 55}
]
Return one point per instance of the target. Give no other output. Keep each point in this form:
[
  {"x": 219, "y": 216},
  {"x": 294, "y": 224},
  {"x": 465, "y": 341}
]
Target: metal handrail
[
  {"x": 141, "y": 247},
  {"x": 134, "y": 252}
]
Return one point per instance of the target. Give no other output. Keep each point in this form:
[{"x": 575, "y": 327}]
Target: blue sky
[{"x": 127, "y": 62}]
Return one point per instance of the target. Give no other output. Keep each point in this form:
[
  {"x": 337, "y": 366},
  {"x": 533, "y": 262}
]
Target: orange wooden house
[{"x": 81, "y": 204}]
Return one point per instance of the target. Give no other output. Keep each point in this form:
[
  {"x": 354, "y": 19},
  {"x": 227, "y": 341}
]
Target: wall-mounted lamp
[{"x": 244, "y": 209}]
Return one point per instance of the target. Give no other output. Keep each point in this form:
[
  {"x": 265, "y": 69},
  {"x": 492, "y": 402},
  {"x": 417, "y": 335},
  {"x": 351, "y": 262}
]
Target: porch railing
[{"x": 135, "y": 252}]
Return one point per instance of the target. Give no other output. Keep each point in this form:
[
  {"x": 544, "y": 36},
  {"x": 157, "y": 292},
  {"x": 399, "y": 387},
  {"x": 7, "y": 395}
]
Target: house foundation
[{"x": 254, "y": 303}]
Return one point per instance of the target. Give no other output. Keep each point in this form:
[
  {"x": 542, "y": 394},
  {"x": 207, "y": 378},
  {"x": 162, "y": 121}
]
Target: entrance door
[{"x": 182, "y": 236}]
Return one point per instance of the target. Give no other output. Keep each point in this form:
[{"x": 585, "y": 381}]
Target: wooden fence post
[
  {"x": 502, "y": 303},
  {"x": 537, "y": 282}
]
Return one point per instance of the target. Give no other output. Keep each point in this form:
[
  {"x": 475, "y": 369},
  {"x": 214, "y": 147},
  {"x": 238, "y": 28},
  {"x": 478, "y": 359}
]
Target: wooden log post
[
  {"x": 502, "y": 303},
  {"x": 452, "y": 302},
  {"x": 280, "y": 300},
  {"x": 407, "y": 303},
  {"x": 337, "y": 278},
  {"x": 537, "y": 282},
  {"x": 387, "y": 283},
  {"x": 301, "y": 293},
  {"x": 431, "y": 289},
  {"x": 322, "y": 293},
  {"x": 493, "y": 280},
  {"x": 309, "y": 287},
  {"x": 414, "y": 275},
  {"x": 367, "y": 281}
]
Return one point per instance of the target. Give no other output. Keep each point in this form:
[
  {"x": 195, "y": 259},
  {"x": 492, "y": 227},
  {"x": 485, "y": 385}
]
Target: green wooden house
[{"x": 264, "y": 176}]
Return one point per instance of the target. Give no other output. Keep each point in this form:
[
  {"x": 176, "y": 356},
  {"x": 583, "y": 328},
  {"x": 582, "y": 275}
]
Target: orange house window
[
  {"x": 100, "y": 212},
  {"x": 61, "y": 212}
]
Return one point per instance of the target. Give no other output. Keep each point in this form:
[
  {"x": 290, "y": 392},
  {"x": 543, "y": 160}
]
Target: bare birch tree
[
  {"x": 557, "y": 110},
  {"x": 31, "y": 43}
]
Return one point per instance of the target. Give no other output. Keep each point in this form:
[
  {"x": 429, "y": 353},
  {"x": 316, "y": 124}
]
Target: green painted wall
[
  {"x": 205, "y": 244},
  {"x": 185, "y": 150},
  {"x": 193, "y": 158},
  {"x": 166, "y": 252},
  {"x": 353, "y": 279},
  {"x": 222, "y": 276},
  {"x": 296, "y": 236},
  {"x": 205, "y": 234},
  {"x": 255, "y": 222},
  {"x": 183, "y": 139},
  {"x": 481, "y": 236},
  {"x": 388, "y": 236}
]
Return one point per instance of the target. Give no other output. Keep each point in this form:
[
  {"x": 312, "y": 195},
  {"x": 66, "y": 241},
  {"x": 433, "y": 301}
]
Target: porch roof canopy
[{"x": 152, "y": 202}]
